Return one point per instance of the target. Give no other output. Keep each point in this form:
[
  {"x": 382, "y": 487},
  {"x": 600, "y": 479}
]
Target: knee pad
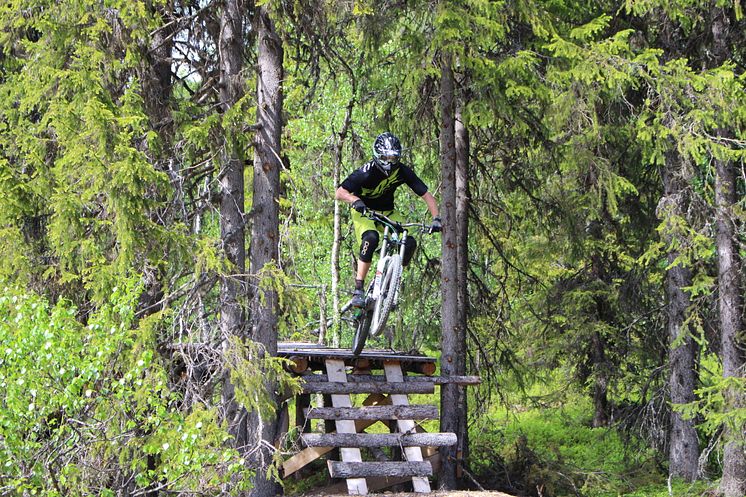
[
  {"x": 368, "y": 245},
  {"x": 409, "y": 247}
]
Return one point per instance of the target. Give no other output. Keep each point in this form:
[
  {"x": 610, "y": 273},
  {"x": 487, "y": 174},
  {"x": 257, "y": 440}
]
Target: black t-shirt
[{"x": 376, "y": 189}]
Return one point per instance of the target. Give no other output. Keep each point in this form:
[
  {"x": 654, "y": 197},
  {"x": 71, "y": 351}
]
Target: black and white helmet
[{"x": 386, "y": 151}]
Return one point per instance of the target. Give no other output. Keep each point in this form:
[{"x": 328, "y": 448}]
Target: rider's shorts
[{"x": 363, "y": 224}]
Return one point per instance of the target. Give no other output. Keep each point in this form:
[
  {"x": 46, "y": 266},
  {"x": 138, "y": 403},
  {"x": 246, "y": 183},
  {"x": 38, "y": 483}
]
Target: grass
[{"x": 554, "y": 452}]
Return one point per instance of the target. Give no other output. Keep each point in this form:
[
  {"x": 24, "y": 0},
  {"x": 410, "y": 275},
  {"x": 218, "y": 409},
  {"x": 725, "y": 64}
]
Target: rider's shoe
[{"x": 358, "y": 298}]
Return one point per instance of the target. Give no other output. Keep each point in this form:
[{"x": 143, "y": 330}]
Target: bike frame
[{"x": 384, "y": 256}]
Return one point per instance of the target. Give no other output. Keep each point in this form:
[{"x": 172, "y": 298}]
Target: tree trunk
[
  {"x": 449, "y": 341},
  {"x": 730, "y": 301},
  {"x": 265, "y": 232},
  {"x": 462, "y": 234},
  {"x": 683, "y": 451},
  {"x": 232, "y": 286},
  {"x": 600, "y": 382},
  {"x": 597, "y": 346},
  {"x": 157, "y": 88},
  {"x": 342, "y": 135}
]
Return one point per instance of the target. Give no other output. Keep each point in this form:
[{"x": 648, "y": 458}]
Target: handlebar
[{"x": 395, "y": 225}]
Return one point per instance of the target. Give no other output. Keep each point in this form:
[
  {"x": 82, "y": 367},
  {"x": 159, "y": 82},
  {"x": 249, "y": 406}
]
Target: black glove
[
  {"x": 436, "y": 226},
  {"x": 359, "y": 206}
]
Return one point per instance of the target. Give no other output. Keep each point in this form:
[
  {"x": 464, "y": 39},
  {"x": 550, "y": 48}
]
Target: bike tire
[
  {"x": 361, "y": 332},
  {"x": 389, "y": 288}
]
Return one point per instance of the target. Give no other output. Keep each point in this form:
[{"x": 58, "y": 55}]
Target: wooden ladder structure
[{"x": 387, "y": 401}]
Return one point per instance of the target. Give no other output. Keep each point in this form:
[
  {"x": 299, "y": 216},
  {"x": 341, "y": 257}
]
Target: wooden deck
[{"x": 312, "y": 356}]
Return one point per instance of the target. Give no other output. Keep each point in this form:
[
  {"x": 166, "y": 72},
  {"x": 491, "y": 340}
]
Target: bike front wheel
[
  {"x": 389, "y": 288},
  {"x": 361, "y": 331}
]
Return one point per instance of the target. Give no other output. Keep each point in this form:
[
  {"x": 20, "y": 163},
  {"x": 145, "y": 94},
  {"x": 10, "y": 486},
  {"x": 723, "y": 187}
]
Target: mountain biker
[{"x": 372, "y": 186}]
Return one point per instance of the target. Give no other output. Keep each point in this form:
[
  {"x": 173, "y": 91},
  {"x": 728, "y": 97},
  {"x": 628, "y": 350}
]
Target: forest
[{"x": 167, "y": 216}]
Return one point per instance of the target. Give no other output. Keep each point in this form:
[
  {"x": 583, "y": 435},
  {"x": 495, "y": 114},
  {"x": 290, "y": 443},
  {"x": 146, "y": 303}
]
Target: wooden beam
[
  {"x": 314, "y": 351},
  {"x": 336, "y": 370},
  {"x": 297, "y": 365},
  {"x": 413, "y": 454},
  {"x": 368, "y": 387},
  {"x": 367, "y": 469},
  {"x": 379, "y": 439},
  {"x": 374, "y": 412},
  {"x": 427, "y": 368},
  {"x": 437, "y": 380},
  {"x": 378, "y": 483},
  {"x": 310, "y": 454}
]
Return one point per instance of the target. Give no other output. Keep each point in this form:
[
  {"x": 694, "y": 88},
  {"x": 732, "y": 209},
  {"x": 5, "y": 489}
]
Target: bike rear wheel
[{"x": 389, "y": 287}]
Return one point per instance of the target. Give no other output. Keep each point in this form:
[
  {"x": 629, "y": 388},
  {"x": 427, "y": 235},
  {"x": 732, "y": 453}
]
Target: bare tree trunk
[
  {"x": 342, "y": 135},
  {"x": 683, "y": 451},
  {"x": 232, "y": 232},
  {"x": 449, "y": 341},
  {"x": 732, "y": 345},
  {"x": 730, "y": 301},
  {"x": 462, "y": 234},
  {"x": 265, "y": 231}
]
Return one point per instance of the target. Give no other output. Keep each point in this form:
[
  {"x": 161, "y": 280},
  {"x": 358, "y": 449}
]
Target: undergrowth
[{"x": 554, "y": 452}]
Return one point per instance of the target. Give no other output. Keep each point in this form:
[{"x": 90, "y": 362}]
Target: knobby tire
[
  {"x": 361, "y": 332},
  {"x": 389, "y": 288}
]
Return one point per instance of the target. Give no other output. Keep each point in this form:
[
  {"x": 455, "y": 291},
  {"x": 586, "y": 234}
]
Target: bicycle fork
[
  {"x": 381, "y": 265},
  {"x": 383, "y": 260}
]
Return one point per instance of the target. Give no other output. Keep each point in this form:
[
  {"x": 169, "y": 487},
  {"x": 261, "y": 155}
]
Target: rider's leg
[
  {"x": 368, "y": 245},
  {"x": 362, "y": 272}
]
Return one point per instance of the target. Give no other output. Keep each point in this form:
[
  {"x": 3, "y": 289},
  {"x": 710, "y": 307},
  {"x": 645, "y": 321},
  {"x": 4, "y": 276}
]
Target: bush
[{"x": 87, "y": 409}]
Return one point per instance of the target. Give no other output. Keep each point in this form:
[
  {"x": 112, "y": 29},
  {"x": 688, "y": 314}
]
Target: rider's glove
[
  {"x": 436, "y": 226},
  {"x": 359, "y": 206}
]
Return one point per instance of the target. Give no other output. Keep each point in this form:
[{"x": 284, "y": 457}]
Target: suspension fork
[
  {"x": 381, "y": 263},
  {"x": 403, "y": 246}
]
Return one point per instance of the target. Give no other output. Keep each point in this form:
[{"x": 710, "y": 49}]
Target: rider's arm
[
  {"x": 345, "y": 196},
  {"x": 432, "y": 205}
]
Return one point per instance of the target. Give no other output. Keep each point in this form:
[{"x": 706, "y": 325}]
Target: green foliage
[
  {"x": 552, "y": 448},
  {"x": 75, "y": 146},
  {"x": 87, "y": 407}
]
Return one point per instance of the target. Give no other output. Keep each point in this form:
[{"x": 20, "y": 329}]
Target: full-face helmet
[{"x": 386, "y": 151}]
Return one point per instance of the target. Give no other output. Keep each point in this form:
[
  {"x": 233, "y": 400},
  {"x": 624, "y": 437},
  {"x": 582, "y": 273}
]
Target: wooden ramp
[{"x": 337, "y": 374}]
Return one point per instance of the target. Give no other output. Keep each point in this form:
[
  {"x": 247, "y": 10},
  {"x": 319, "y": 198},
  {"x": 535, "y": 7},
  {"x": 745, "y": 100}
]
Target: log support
[{"x": 341, "y": 377}]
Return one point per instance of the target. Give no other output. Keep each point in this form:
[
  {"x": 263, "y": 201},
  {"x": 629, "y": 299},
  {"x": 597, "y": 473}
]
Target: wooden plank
[
  {"x": 436, "y": 380},
  {"x": 378, "y": 439},
  {"x": 413, "y": 454},
  {"x": 310, "y": 454},
  {"x": 374, "y": 412},
  {"x": 335, "y": 369},
  {"x": 303, "y": 458},
  {"x": 319, "y": 352},
  {"x": 368, "y": 387},
  {"x": 368, "y": 469},
  {"x": 378, "y": 483}
]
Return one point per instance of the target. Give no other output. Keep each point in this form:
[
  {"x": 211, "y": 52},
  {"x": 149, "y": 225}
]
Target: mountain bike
[{"x": 383, "y": 291}]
